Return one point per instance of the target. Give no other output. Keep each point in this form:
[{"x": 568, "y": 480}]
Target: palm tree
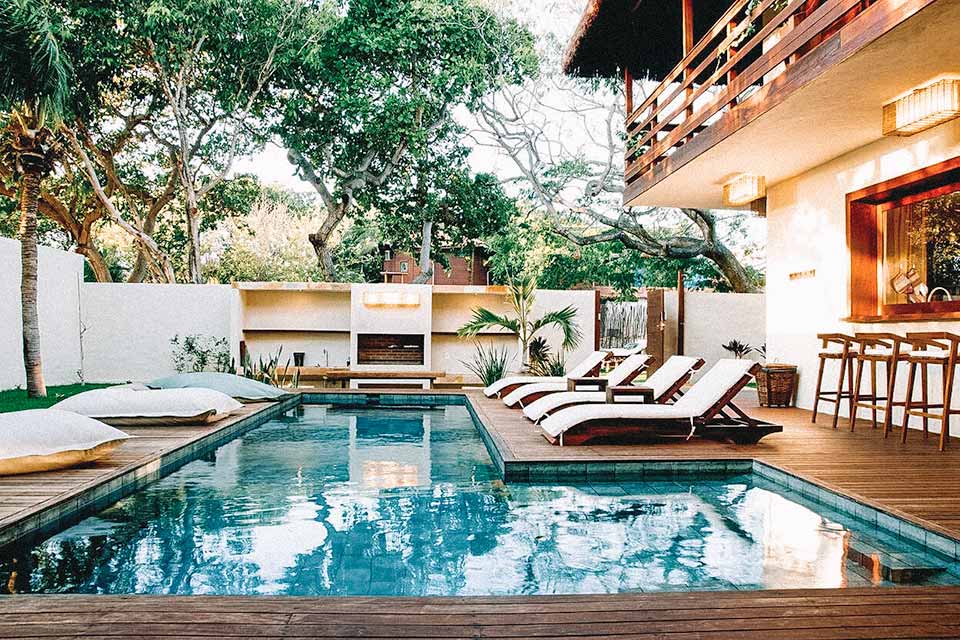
[
  {"x": 35, "y": 86},
  {"x": 521, "y": 292}
]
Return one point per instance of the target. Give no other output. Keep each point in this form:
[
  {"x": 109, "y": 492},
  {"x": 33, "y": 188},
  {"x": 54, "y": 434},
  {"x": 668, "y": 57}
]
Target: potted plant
[{"x": 776, "y": 382}]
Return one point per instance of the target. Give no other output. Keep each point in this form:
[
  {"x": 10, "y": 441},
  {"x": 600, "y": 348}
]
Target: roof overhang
[{"x": 644, "y": 36}]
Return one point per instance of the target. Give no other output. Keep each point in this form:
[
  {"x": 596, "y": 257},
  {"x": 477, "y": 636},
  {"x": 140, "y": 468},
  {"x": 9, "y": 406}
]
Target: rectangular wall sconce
[
  {"x": 744, "y": 189},
  {"x": 922, "y": 109},
  {"x": 391, "y": 298}
]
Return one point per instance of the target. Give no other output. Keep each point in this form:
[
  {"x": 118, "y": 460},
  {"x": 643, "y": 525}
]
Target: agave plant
[
  {"x": 488, "y": 364},
  {"x": 521, "y": 293},
  {"x": 269, "y": 371}
]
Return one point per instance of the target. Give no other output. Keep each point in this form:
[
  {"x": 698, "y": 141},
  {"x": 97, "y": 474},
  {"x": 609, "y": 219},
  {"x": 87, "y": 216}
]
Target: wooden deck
[
  {"x": 914, "y": 481},
  {"x": 761, "y": 615}
]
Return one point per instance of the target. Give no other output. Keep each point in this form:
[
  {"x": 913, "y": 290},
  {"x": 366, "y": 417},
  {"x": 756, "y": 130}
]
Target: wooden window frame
[{"x": 864, "y": 242}]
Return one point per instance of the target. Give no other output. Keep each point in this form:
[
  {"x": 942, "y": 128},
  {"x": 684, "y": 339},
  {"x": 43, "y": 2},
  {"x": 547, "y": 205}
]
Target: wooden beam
[
  {"x": 688, "y": 42},
  {"x": 628, "y": 89},
  {"x": 681, "y": 311}
]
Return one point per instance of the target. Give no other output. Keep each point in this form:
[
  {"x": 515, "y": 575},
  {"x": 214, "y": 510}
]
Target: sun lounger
[
  {"x": 664, "y": 385},
  {"x": 589, "y": 366},
  {"x": 705, "y": 410},
  {"x": 622, "y": 374}
]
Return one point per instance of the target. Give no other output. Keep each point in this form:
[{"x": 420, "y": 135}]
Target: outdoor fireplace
[{"x": 390, "y": 349}]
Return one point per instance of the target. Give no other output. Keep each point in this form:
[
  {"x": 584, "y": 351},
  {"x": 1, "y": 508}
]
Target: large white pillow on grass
[
  {"x": 47, "y": 439},
  {"x": 238, "y": 387},
  {"x": 164, "y": 407}
]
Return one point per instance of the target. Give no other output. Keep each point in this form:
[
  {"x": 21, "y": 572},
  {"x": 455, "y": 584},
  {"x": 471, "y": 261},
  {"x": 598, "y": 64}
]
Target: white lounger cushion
[
  {"x": 588, "y": 364},
  {"x": 624, "y": 352},
  {"x": 667, "y": 375},
  {"x": 618, "y": 376},
  {"x": 238, "y": 387},
  {"x": 152, "y": 407},
  {"x": 675, "y": 368},
  {"x": 704, "y": 394},
  {"x": 46, "y": 439}
]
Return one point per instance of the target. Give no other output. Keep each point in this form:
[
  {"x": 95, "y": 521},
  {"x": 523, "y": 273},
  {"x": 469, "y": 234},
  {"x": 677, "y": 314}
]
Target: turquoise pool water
[{"x": 342, "y": 501}]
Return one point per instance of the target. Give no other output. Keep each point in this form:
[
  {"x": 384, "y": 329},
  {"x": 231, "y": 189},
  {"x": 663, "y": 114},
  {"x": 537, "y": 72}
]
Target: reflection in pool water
[{"x": 338, "y": 501}]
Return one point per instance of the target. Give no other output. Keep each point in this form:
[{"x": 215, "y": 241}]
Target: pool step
[{"x": 899, "y": 568}]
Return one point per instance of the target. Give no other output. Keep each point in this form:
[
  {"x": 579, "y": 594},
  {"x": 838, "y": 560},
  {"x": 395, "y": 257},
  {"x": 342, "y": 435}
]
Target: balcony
[{"x": 826, "y": 65}]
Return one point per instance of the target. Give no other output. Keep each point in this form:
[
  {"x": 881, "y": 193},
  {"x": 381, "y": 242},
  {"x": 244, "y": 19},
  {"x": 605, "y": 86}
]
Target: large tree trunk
[
  {"x": 29, "y": 199},
  {"x": 321, "y": 242},
  {"x": 730, "y": 267},
  {"x": 426, "y": 264},
  {"x": 97, "y": 264}
]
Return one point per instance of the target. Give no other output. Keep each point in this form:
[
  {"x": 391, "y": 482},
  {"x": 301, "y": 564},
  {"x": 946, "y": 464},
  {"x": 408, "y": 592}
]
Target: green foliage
[
  {"x": 197, "y": 352},
  {"x": 17, "y": 400},
  {"x": 739, "y": 349},
  {"x": 521, "y": 294},
  {"x": 269, "y": 372},
  {"x": 488, "y": 364}
]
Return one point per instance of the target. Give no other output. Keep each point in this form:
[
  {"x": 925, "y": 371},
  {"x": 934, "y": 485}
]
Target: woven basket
[{"x": 776, "y": 384}]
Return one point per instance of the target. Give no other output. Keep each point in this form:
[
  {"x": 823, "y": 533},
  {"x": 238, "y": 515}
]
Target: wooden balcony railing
[{"x": 742, "y": 51}]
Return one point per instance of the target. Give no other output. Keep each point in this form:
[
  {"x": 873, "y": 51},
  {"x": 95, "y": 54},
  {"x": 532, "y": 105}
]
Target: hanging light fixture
[
  {"x": 744, "y": 189},
  {"x": 922, "y": 108}
]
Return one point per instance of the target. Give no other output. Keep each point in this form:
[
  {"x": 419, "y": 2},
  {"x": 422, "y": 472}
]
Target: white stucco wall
[
  {"x": 129, "y": 326},
  {"x": 807, "y": 231},
  {"x": 714, "y": 319},
  {"x": 59, "y": 277}
]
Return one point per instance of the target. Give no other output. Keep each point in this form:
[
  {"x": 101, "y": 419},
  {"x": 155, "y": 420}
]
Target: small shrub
[
  {"x": 488, "y": 364},
  {"x": 269, "y": 371},
  {"x": 197, "y": 352},
  {"x": 739, "y": 349}
]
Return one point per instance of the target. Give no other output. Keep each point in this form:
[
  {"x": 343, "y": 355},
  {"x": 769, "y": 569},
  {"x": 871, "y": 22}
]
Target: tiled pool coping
[{"x": 75, "y": 506}]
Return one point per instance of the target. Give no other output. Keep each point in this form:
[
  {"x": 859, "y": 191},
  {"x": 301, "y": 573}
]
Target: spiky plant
[
  {"x": 521, "y": 294},
  {"x": 738, "y": 349},
  {"x": 488, "y": 364}
]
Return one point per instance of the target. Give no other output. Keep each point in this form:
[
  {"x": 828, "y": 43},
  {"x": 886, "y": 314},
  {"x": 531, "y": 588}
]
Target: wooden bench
[{"x": 354, "y": 379}]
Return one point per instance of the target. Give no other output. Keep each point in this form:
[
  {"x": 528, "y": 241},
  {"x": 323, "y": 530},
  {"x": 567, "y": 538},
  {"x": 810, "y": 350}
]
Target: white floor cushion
[
  {"x": 47, "y": 439},
  {"x": 237, "y": 387},
  {"x": 165, "y": 407}
]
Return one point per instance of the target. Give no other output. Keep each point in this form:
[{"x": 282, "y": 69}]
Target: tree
[
  {"x": 521, "y": 293},
  {"x": 440, "y": 203},
  {"x": 212, "y": 62},
  {"x": 39, "y": 89},
  {"x": 565, "y": 140},
  {"x": 374, "y": 90}
]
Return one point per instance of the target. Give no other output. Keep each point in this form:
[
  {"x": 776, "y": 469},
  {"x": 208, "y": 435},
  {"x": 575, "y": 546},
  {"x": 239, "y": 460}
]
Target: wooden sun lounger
[{"x": 722, "y": 420}]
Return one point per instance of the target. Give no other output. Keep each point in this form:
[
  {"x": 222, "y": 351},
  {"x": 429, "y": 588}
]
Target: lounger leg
[
  {"x": 816, "y": 398},
  {"x": 911, "y": 375},
  {"x": 857, "y": 381}
]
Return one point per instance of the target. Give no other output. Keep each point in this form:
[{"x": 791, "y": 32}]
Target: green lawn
[{"x": 17, "y": 400}]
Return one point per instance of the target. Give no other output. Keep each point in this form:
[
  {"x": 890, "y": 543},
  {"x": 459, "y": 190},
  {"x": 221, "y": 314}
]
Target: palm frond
[
  {"x": 565, "y": 320},
  {"x": 34, "y": 68},
  {"x": 485, "y": 319}
]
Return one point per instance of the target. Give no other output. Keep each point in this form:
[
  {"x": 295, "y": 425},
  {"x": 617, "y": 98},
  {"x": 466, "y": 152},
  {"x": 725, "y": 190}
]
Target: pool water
[{"x": 340, "y": 501}]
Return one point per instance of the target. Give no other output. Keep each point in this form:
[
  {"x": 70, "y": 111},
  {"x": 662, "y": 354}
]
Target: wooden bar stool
[
  {"x": 931, "y": 348},
  {"x": 876, "y": 349},
  {"x": 840, "y": 347}
]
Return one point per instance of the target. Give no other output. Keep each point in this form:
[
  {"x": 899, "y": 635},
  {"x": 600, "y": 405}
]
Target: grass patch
[{"x": 17, "y": 400}]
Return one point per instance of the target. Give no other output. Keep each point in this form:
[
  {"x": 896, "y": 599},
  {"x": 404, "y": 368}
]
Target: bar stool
[
  {"x": 841, "y": 347},
  {"x": 875, "y": 349},
  {"x": 931, "y": 348}
]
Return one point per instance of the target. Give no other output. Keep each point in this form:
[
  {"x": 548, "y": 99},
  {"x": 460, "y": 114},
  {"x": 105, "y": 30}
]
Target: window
[
  {"x": 904, "y": 239},
  {"x": 404, "y": 267}
]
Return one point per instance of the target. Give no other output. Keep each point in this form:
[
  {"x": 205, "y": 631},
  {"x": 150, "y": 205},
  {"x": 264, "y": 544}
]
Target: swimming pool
[{"x": 339, "y": 500}]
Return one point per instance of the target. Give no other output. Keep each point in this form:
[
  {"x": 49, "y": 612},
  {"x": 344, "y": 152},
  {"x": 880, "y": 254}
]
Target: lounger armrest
[
  {"x": 574, "y": 384},
  {"x": 644, "y": 393}
]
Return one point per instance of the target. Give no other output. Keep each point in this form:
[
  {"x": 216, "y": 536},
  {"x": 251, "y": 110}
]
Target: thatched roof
[{"x": 641, "y": 35}]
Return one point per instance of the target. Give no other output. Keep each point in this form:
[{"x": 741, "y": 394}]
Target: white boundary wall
[
  {"x": 126, "y": 328},
  {"x": 714, "y": 319},
  {"x": 60, "y": 278}
]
